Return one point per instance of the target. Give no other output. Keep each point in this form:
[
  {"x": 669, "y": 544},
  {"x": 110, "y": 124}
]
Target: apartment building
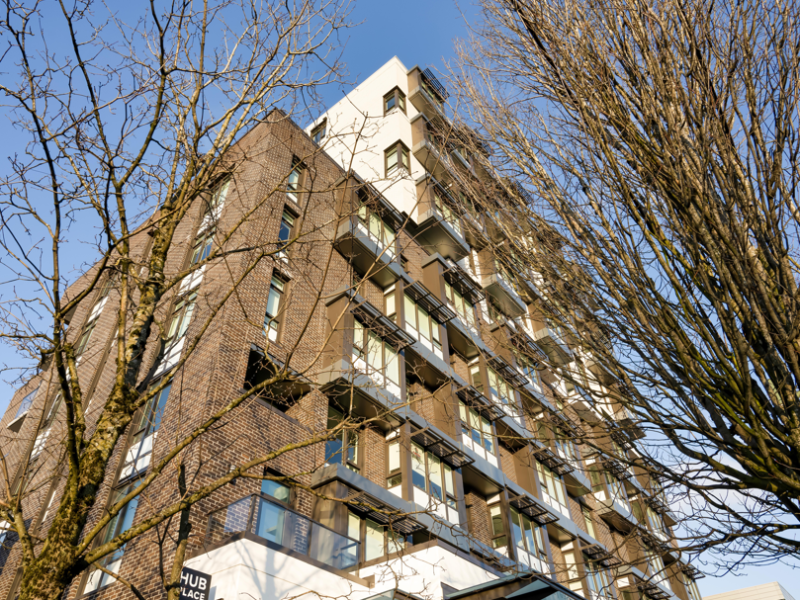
[{"x": 466, "y": 477}]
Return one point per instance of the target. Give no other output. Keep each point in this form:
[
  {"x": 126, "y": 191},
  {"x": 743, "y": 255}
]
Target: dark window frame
[
  {"x": 398, "y": 97},
  {"x": 296, "y": 189},
  {"x": 319, "y": 132},
  {"x": 403, "y": 156}
]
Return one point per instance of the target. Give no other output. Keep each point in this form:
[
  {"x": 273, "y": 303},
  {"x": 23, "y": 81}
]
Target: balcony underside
[
  {"x": 437, "y": 235},
  {"x": 556, "y": 350},
  {"x": 616, "y": 516},
  {"x": 433, "y": 160},
  {"x": 506, "y": 299},
  {"x": 367, "y": 258}
]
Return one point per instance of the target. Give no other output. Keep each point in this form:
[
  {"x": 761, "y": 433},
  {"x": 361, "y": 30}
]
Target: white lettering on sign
[{"x": 194, "y": 585}]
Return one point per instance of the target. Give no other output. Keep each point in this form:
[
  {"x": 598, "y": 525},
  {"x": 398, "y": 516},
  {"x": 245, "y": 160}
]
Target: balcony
[
  {"x": 280, "y": 528},
  {"x": 438, "y": 223},
  {"x": 368, "y": 255},
  {"x": 550, "y": 338},
  {"x": 430, "y": 150},
  {"x": 503, "y": 294},
  {"x": 614, "y": 513},
  {"x": 426, "y": 93}
]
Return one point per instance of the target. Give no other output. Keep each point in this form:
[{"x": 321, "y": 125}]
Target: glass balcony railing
[{"x": 269, "y": 520}]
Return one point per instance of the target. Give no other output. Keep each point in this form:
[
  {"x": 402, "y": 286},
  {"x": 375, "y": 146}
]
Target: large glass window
[
  {"x": 691, "y": 588},
  {"x": 553, "y": 489},
  {"x": 318, "y": 133},
  {"x": 274, "y": 301},
  {"x": 377, "y": 230},
  {"x": 285, "y": 231},
  {"x": 344, "y": 447},
  {"x": 295, "y": 180},
  {"x": 445, "y": 209},
  {"x": 396, "y": 159},
  {"x": 464, "y": 309},
  {"x": 376, "y": 358},
  {"x": 394, "y": 479},
  {"x": 529, "y": 368},
  {"x": 566, "y": 449},
  {"x": 477, "y": 432},
  {"x": 26, "y": 403},
  {"x": 658, "y": 574},
  {"x": 277, "y": 490},
  {"x": 118, "y": 525},
  {"x": 145, "y": 425},
  {"x": 434, "y": 478},
  {"x": 528, "y": 540},
  {"x": 181, "y": 317},
  {"x": 498, "y": 390},
  {"x": 394, "y": 99},
  {"x": 422, "y": 326},
  {"x": 598, "y": 582}
]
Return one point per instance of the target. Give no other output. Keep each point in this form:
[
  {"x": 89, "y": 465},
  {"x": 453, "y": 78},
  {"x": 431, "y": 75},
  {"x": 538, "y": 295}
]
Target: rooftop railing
[{"x": 271, "y": 521}]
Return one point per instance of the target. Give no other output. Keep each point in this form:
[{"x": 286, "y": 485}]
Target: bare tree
[
  {"x": 133, "y": 128},
  {"x": 657, "y": 144}
]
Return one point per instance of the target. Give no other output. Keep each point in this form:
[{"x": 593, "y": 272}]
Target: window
[
  {"x": 444, "y": 208},
  {"x": 344, "y": 447},
  {"x": 691, "y": 588},
  {"x": 394, "y": 478},
  {"x": 280, "y": 492},
  {"x": 295, "y": 180},
  {"x": 589, "y": 522},
  {"x": 26, "y": 403},
  {"x": 396, "y": 159},
  {"x": 145, "y": 425},
  {"x": 428, "y": 88},
  {"x": 181, "y": 317},
  {"x": 218, "y": 195},
  {"x": 528, "y": 541},
  {"x": 529, "y": 368},
  {"x": 463, "y": 307},
  {"x": 658, "y": 573},
  {"x": 389, "y": 296},
  {"x": 656, "y": 523},
  {"x": 285, "y": 232},
  {"x": 376, "y": 539},
  {"x": 318, "y": 133},
  {"x": 422, "y": 326},
  {"x": 598, "y": 582},
  {"x": 477, "y": 432},
  {"x": 179, "y": 323},
  {"x": 119, "y": 524},
  {"x": 499, "y": 537},
  {"x": 565, "y": 448},
  {"x": 499, "y": 391},
  {"x": 202, "y": 246},
  {"x": 394, "y": 99},
  {"x": 272, "y": 317},
  {"x": 433, "y": 479},
  {"x": 378, "y": 359},
  {"x": 552, "y": 489},
  {"x": 377, "y": 230}
]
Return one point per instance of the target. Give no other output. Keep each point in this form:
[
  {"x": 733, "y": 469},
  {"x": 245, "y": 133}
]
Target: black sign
[{"x": 194, "y": 585}]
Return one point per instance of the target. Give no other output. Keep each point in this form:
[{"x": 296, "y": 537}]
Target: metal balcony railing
[{"x": 269, "y": 520}]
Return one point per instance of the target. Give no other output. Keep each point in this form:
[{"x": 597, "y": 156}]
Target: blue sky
[{"x": 422, "y": 32}]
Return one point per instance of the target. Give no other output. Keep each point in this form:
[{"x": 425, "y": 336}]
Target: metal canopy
[
  {"x": 505, "y": 370},
  {"x": 380, "y": 512},
  {"x": 554, "y": 462},
  {"x": 424, "y": 297},
  {"x": 441, "y": 448},
  {"x": 374, "y": 320},
  {"x": 474, "y": 399},
  {"x": 616, "y": 468},
  {"x": 458, "y": 278},
  {"x": 566, "y": 424},
  {"x": 534, "y": 509},
  {"x": 599, "y": 554}
]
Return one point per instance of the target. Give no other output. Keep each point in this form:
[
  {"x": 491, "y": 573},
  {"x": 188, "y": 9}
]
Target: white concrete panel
[{"x": 245, "y": 567}]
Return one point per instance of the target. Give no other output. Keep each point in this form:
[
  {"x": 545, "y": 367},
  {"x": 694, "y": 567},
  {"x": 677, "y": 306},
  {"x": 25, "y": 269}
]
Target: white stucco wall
[
  {"x": 357, "y": 134},
  {"x": 246, "y": 570}
]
